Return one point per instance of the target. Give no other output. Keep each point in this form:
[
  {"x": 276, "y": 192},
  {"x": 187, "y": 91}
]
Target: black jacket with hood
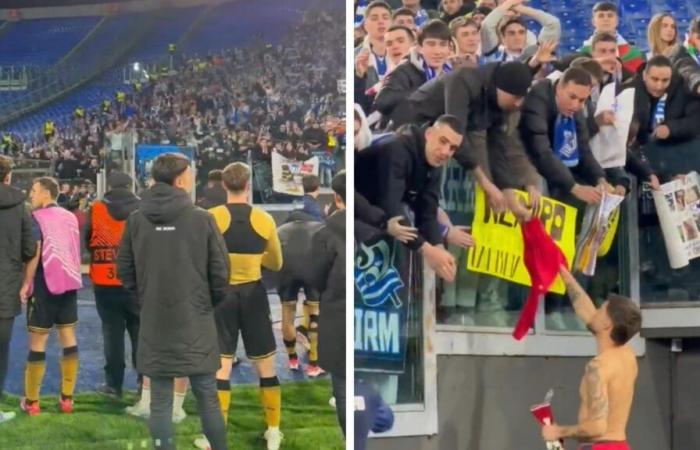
[
  {"x": 393, "y": 172},
  {"x": 466, "y": 93},
  {"x": 16, "y": 248},
  {"x": 392, "y": 99},
  {"x": 174, "y": 258},
  {"x": 296, "y": 236},
  {"x": 328, "y": 277}
]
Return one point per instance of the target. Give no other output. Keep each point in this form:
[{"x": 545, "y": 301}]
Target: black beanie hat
[
  {"x": 514, "y": 78},
  {"x": 119, "y": 180}
]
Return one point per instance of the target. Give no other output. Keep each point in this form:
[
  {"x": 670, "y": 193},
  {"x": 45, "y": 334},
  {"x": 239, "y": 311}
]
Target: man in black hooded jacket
[
  {"x": 328, "y": 276},
  {"x": 295, "y": 238},
  {"x": 117, "y": 308},
  {"x": 16, "y": 247},
  {"x": 173, "y": 257},
  {"x": 485, "y": 99},
  {"x": 405, "y": 170}
]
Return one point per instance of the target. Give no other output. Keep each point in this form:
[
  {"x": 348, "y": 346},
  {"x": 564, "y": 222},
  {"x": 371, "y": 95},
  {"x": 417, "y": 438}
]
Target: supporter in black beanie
[{"x": 514, "y": 78}]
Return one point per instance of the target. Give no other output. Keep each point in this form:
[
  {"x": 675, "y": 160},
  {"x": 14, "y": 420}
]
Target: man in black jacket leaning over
[
  {"x": 405, "y": 169},
  {"x": 174, "y": 258},
  {"x": 555, "y": 135},
  {"x": 16, "y": 248},
  {"x": 328, "y": 276},
  {"x": 485, "y": 100}
]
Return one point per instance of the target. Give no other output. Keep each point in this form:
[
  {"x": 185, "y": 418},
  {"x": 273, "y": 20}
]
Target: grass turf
[{"x": 98, "y": 422}]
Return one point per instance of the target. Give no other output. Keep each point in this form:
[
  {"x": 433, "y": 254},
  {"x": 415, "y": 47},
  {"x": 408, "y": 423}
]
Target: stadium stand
[
  {"x": 208, "y": 50},
  {"x": 43, "y": 42}
]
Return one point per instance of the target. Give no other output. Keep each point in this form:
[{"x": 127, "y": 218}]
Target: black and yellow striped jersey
[{"x": 251, "y": 237}]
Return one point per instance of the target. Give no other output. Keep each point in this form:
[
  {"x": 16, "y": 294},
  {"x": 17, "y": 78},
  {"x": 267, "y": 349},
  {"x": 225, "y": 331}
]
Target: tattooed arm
[
  {"x": 583, "y": 305},
  {"x": 595, "y": 424}
]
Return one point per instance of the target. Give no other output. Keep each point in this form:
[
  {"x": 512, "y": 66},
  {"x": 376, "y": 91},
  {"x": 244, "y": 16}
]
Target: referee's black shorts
[
  {"x": 245, "y": 309},
  {"x": 46, "y": 310}
]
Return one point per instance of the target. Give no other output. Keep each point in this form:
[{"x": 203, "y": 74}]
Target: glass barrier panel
[{"x": 389, "y": 321}]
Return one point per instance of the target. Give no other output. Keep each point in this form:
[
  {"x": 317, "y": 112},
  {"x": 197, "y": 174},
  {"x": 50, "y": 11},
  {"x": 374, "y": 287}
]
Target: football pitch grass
[{"x": 99, "y": 422}]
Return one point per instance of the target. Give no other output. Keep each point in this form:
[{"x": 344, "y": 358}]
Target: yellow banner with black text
[{"x": 499, "y": 239}]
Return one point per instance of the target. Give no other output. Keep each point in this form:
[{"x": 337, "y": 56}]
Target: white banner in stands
[
  {"x": 609, "y": 146},
  {"x": 287, "y": 174}
]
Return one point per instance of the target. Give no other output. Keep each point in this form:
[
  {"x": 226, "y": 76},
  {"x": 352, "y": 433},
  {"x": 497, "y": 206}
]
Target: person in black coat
[
  {"x": 295, "y": 236},
  {"x": 173, "y": 257},
  {"x": 664, "y": 113},
  {"x": 555, "y": 135},
  {"x": 425, "y": 62},
  {"x": 214, "y": 193},
  {"x": 16, "y": 248},
  {"x": 679, "y": 113},
  {"x": 328, "y": 277},
  {"x": 370, "y": 221},
  {"x": 406, "y": 169}
]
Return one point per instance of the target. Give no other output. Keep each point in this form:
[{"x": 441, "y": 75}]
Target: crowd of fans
[
  {"x": 241, "y": 104},
  {"x": 470, "y": 81}
]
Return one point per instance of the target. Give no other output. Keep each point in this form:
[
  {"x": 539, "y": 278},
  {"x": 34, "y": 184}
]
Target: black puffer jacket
[
  {"x": 392, "y": 99},
  {"x": 394, "y": 172},
  {"x": 681, "y": 113},
  {"x": 537, "y": 121},
  {"x": 328, "y": 272},
  {"x": 213, "y": 196},
  {"x": 370, "y": 221},
  {"x": 16, "y": 248},
  {"x": 296, "y": 237},
  {"x": 467, "y": 93},
  {"x": 687, "y": 67},
  {"x": 174, "y": 258}
]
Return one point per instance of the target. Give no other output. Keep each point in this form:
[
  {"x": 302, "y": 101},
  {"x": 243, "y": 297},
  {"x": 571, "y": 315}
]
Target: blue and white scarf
[
  {"x": 421, "y": 17},
  {"x": 500, "y": 55},
  {"x": 660, "y": 113},
  {"x": 381, "y": 65},
  {"x": 566, "y": 140},
  {"x": 430, "y": 73},
  {"x": 360, "y": 13}
]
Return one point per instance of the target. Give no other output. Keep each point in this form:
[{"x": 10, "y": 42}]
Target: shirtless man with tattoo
[{"x": 607, "y": 388}]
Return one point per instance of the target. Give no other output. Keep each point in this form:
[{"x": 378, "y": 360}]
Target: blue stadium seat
[
  {"x": 168, "y": 28},
  {"x": 42, "y": 42},
  {"x": 217, "y": 32},
  {"x": 635, "y": 9}
]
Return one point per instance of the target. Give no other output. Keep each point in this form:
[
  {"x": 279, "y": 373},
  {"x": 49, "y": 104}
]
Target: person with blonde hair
[{"x": 662, "y": 35}]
